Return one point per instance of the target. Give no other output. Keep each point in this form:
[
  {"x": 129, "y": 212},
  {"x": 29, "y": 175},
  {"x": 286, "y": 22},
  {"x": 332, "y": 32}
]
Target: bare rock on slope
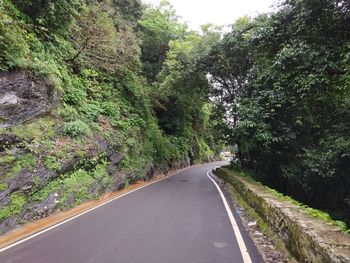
[{"x": 22, "y": 98}]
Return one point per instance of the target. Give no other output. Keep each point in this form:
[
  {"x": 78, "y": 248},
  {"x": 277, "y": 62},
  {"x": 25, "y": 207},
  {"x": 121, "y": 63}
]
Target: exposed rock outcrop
[
  {"x": 9, "y": 224},
  {"x": 22, "y": 98},
  {"x": 42, "y": 209},
  {"x": 7, "y": 140},
  {"x": 39, "y": 163}
]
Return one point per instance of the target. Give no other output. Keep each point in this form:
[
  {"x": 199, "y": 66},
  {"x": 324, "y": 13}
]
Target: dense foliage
[
  {"x": 133, "y": 79},
  {"x": 122, "y": 77},
  {"x": 282, "y": 84}
]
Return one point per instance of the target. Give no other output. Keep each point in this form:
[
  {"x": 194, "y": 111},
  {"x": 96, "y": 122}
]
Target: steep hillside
[{"x": 95, "y": 95}]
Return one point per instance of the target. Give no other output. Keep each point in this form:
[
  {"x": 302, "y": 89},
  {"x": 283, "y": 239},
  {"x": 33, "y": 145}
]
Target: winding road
[{"x": 181, "y": 219}]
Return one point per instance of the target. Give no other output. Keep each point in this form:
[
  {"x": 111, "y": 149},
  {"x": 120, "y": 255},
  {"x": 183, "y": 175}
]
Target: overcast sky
[{"x": 220, "y": 12}]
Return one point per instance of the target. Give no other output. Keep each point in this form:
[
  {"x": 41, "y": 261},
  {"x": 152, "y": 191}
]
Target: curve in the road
[{"x": 183, "y": 218}]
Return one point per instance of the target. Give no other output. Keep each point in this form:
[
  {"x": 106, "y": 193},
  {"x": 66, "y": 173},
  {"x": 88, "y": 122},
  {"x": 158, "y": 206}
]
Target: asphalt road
[{"x": 181, "y": 219}]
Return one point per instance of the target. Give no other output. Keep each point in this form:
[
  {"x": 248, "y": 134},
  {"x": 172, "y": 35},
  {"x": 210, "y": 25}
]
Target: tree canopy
[
  {"x": 275, "y": 87},
  {"x": 282, "y": 84}
]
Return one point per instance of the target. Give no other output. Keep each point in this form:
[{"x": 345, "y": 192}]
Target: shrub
[
  {"x": 68, "y": 112},
  {"x": 91, "y": 111},
  {"x": 13, "y": 45},
  {"x": 75, "y": 128},
  {"x": 52, "y": 163},
  {"x": 27, "y": 161},
  {"x": 110, "y": 109},
  {"x": 74, "y": 95}
]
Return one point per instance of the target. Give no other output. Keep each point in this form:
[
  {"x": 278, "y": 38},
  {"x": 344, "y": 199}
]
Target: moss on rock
[{"x": 308, "y": 238}]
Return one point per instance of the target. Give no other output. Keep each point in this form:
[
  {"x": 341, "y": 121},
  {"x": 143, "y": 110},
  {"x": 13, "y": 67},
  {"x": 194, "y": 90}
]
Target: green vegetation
[
  {"x": 284, "y": 82},
  {"x": 3, "y": 187},
  {"x": 41, "y": 129},
  {"x": 52, "y": 163},
  {"x": 94, "y": 59},
  {"x": 27, "y": 161},
  {"x": 311, "y": 211},
  {"x": 73, "y": 188},
  {"x": 75, "y": 128},
  {"x": 17, "y": 201},
  {"x": 121, "y": 77},
  {"x": 7, "y": 158},
  {"x": 263, "y": 226},
  {"x": 132, "y": 79}
]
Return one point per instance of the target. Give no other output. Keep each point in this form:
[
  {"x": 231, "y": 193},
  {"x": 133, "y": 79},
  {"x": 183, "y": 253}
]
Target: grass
[
  {"x": 27, "y": 161},
  {"x": 74, "y": 184},
  {"x": 52, "y": 163},
  {"x": 309, "y": 210},
  {"x": 37, "y": 130},
  {"x": 17, "y": 201},
  {"x": 2, "y": 187},
  {"x": 7, "y": 158}
]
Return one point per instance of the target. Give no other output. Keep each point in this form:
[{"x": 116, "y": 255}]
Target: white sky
[{"x": 219, "y": 12}]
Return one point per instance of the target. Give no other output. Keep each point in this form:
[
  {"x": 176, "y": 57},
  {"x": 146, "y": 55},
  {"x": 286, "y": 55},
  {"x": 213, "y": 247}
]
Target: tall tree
[
  {"x": 159, "y": 26},
  {"x": 291, "y": 100}
]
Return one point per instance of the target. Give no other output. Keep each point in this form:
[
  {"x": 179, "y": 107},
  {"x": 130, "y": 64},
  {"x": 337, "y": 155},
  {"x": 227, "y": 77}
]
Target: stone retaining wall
[{"x": 307, "y": 238}]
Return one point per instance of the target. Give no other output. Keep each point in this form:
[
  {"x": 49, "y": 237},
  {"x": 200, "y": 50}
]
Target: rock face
[
  {"x": 307, "y": 238},
  {"x": 42, "y": 209},
  {"x": 25, "y": 169},
  {"x": 6, "y": 140},
  {"x": 21, "y": 98},
  {"x": 8, "y": 224},
  {"x": 25, "y": 180}
]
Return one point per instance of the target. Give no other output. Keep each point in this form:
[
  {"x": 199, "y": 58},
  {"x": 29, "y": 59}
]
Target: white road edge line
[
  {"x": 240, "y": 241},
  {"x": 85, "y": 212}
]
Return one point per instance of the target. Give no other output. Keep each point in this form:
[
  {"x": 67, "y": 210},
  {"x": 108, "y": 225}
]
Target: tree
[
  {"x": 283, "y": 80},
  {"x": 131, "y": 10},
  {"x": 158, "y": 26},
  {"x": 98, "y": 44},
  {"x": 53, "y": 14}
]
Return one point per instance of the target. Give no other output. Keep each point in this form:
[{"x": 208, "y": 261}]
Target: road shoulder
[
  {"x": 35, "y": 228},
  {"x": 260, "y": 240}
]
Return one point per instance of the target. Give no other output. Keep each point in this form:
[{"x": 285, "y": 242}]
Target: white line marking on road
[
  {"x": 85, "y": 212},
  {"x": 240, "y": 241}
]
